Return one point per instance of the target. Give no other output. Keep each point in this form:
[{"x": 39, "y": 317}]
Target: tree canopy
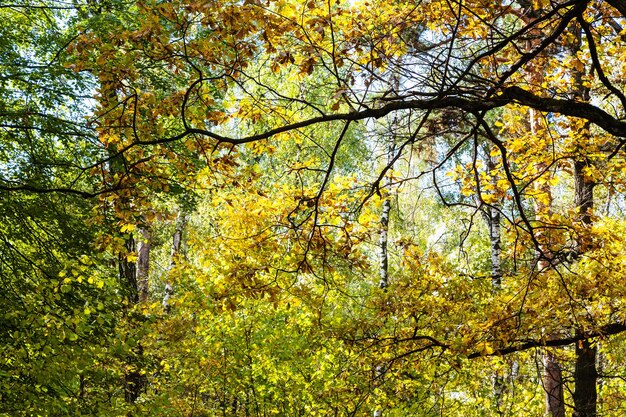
[{"x": 290, "y": 208}]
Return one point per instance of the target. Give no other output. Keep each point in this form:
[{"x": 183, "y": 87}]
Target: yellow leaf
[{"x": 127, "y": 228}]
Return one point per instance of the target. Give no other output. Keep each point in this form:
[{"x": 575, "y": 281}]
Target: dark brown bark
[
  {"x": 586, "y": 376},
  {"x": 128, "y": 272},
  {"x": 134, "y": 382},
  {"x": 585, "y": 373}
]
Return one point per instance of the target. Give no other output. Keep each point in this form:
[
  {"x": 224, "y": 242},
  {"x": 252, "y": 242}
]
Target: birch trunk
[
  {"x": 383, "y": 243},
  {"x": 492, "y": 217},
  {"x": 383, "y": 253},
  {"x": 384, "y": 227}
]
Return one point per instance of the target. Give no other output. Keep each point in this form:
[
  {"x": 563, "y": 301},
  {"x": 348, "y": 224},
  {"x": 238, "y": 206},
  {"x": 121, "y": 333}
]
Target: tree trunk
[
  {"x": 585, "y": 373},
  {"x": 384, "y": 228},
  {"x": 384, "y": 218},
  {"x": 134, "y": 382},
  {"x": 128, "y": 272},
  {"x": 583, "y": 197},
  {"x": 492, "y": 217},
  {"x": 553, "y": 376},
  {"x": 383, "y": 242},
  {"x": 586, "y": 376},
  {"x": 384, "y": 257},
  {"x": 495, "y": 247},
  {"x": 553, "y": 385}
]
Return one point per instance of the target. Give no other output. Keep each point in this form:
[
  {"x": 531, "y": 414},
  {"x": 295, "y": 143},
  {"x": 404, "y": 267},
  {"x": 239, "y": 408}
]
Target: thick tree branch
[
  {"x": 526, "y": 344},
  {"x": 603, "y": 331},
  {"x": 508, "y": 96}
]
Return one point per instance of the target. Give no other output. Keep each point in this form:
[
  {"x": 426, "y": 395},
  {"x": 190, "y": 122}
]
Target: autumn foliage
[{"x": 312, "y": 208}]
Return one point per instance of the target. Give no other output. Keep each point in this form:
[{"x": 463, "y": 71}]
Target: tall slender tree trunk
[
  {"x": 384, "y": 233},
  {"x": 495, "y": 243},
  {"x": 553, "y": 373},
  {"x": 134, "y": 380},
  {"x": 585, "y": 372},
  {"x": 383, "y": 253},
  {"x": 384, "y": 228},
  {"x": 492, "y": 218},
  {"x": 136, "y": 276},
  {"x": 128, "y": 271},
  {"x": 491, "y": 214}
]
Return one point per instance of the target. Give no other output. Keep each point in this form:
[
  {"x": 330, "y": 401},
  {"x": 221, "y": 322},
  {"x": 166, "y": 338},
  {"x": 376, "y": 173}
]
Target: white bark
[{"x": 383, "y": 242}]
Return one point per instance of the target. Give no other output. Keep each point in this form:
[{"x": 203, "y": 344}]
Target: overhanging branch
[
  {"x": 509, "y": 95},
  {"x": 603, "y": 331}
]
